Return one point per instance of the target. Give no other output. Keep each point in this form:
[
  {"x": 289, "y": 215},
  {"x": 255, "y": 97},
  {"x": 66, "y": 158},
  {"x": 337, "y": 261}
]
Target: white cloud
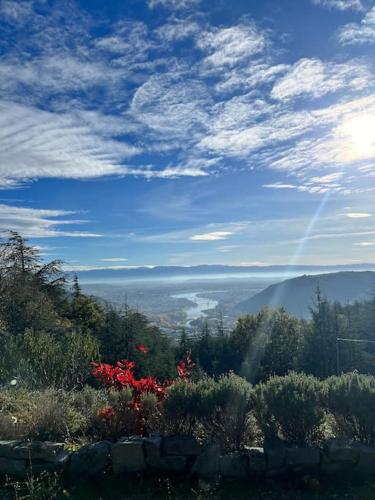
[
  {"x": 35, "y": 143},
  {"x": 171, "y": 105},
  {"x": 38, "y": 223},
  {"x": 213, "y": 236},
  {"x": 177, "y": 29},
  {"x": 228, "y": 47},
  {"x": 114, "y": 259},
  {"x": 15, "y": 12},
  {"x": 173, "y": 4},
  {"x": 365, "y": 244},
  {"x": 357, "y": 215},
  {"x": 316, "y": 78},
  {"x": 340, "y": 4},
  {"x": 280, "y": 185},
  {"x": 359, "y": 33}
]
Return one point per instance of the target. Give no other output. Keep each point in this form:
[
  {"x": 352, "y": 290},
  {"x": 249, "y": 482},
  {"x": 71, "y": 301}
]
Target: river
[{"x": 201, "y": 304}]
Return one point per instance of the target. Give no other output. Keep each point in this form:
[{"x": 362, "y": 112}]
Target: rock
[
  {"x": 341, "y": 451},
  {"x": 171, "y": 463},
  {"x": 128, "y": 456},
  {"x": 235, "y": 465},
  {"x": 303, "y": 456},
  {"x": 181, "y": 445},
  {"x": 329, "y": 468},
  {"x": 207, "y": 464},
  {"x": 257, "y": 460},
  {"x": 366, "y": 463},
  {"x": 13, "y": 467},
  {"x": 35, "y": 450},
  {"x": 152, "y": 449},
  {"x": 276, "y": 458},
  {"x": 90, "y": 460}
]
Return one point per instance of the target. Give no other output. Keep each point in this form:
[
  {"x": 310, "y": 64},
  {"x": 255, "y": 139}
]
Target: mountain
[
  {"x": 209, "y": 271},
  {"x": 297, "y": 295}
]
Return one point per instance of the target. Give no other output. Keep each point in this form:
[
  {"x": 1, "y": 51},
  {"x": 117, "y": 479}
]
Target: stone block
[
  {"x": 235, "y": 465},
  {"x": 91, "y": 460},
  {"x": 128, "y": 456},
  {"x": 307, "y": 457},
  {"x": 207, "y": 464},
  {"x": 257, "y": 460},
  {"x": 341, "y": 451},
  {"x": 181, "y": 445}
]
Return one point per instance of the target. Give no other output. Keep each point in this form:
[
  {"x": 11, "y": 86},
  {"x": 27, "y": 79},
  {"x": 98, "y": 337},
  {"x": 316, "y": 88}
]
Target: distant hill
[
  {"x": 296, "y": 295},
  {"x": 166, "y": 272}
]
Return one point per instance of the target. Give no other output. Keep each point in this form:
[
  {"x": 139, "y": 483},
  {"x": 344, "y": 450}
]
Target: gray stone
[
  {"x": 181, "y": 445},
  {"x": 35, "y": 450},
  {"x": 257, "y": 460},
  {"x": 90, "y": 460},
  {"x": 366, "y": 463},
  {"x": 276, "y": 458},
  {"x": 329, "y": 468},
  {"x": 309, "y": 457},
  {"x": 207, "y": 464},
  {"x": 235, "y": 465},
  {"x": 128, "y": 456},
  {"x": 152, "y": 449},
  {"x": 341, "y": 451},
  {"x": 13, "y": 467},
  {"x": 172, "y": 463}
]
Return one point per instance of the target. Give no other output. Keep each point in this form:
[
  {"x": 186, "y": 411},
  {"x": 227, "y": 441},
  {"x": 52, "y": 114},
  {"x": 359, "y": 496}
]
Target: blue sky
[{"x": 182, "y": 132}]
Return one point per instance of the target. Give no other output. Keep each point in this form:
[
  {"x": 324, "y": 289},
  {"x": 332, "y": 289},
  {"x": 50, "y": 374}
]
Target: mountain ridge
[{"x": 297, "y": 295}]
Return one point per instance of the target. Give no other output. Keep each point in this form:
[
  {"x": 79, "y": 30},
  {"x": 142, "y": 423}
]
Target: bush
[
  {"x": 350, "y": 398},
  {"x": 290, "y": 407},
  {"x": 214, "y": 410},
  {"x": 182, "y": 406},
  {"x": 49, "y": 414},
  {"x": 38, "y": 359}
]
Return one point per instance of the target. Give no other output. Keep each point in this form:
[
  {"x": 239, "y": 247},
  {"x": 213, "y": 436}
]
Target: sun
[{"x": 357, "y": 137}]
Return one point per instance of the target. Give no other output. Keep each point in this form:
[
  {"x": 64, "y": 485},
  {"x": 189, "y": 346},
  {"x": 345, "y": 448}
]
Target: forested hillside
[
  {"x": 51, "y": 331},
  {"x": 297, "y": 295}
]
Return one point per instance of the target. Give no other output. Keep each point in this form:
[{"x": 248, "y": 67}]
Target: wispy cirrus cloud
[
  {"x": 315, "y": 78},
  {"x": 357, "y": 215},
  {"x": 228, "y": 47},
  {"x": 213, "y": 236},
  {"x": 340, "y": 4},
  {"x": 359, "y": 33},
  {"x": 174, "y": 4},
  {"x": 40, "y": 223}
]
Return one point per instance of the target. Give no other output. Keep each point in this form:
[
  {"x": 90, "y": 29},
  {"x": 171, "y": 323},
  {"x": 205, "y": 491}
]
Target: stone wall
[{"x": 183, "y": 454}]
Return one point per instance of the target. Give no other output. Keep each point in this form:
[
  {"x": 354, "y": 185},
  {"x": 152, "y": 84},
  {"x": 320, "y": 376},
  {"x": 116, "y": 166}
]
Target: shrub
[
  {"x": 215, "y": 410},
  {"x": 49, "y": 414},
  {"x": 226, "y": 417},
  {"x": 38, "y": 359},
  {"x": 181, "y": 406},
  {"x": 116, "y": 418},
  {"x": 350, "y": 398},
  {"x": 290, "y": 407}
]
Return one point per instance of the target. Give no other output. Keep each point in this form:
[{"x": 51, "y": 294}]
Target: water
[{"x": 201, "y": 304}]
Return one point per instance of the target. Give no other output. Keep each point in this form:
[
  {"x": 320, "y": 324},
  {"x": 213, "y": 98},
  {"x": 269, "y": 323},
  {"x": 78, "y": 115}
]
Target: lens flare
[{"x": 357, "y": 136}]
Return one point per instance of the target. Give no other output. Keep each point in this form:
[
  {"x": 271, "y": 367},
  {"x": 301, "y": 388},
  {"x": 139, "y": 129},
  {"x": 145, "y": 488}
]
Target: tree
[
  {"x": 284, "y": 348},
  {"x": 31, "y": 292}
]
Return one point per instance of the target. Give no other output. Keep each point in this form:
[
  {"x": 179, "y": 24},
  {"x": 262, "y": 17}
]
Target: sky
[{"x": 184, "y": 132}]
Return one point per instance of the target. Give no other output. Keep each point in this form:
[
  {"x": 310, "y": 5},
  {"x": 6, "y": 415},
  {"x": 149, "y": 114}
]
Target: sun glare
[{"x": 358, "y": 137}]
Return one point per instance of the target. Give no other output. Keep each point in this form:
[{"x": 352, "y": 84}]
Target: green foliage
[
  {"x": 217, "y": 410},
  {"x": 290, "y": 407},
  {"x": 285, "y": 343},
  {"x": 350, "y": 398},
  {"x": 39, "y": 359}
]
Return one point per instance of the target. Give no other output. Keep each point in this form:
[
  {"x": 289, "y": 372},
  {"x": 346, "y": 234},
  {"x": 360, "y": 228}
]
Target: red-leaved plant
[{"x": 122, "y": 375}]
